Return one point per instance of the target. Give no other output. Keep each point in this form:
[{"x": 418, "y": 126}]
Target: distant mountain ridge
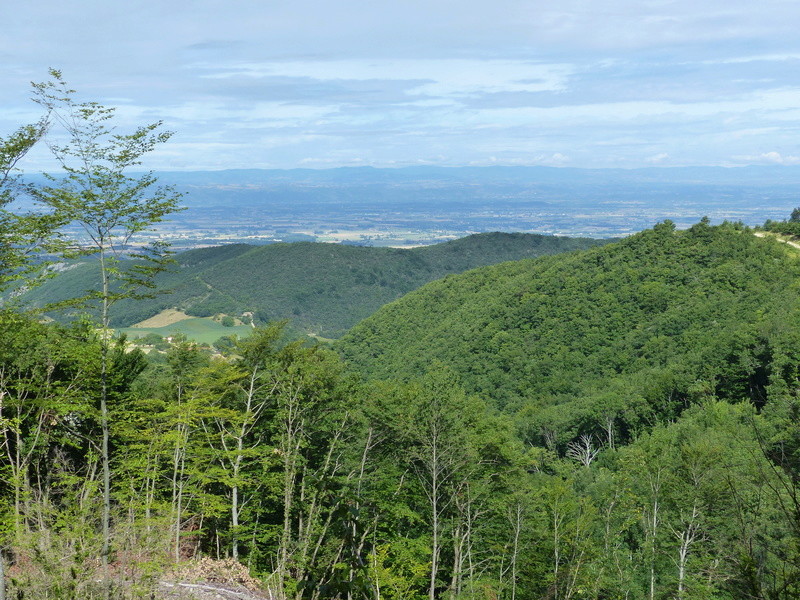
[
  {"x": 531, "y": 174},
  {"x": 321, "y": 288}
]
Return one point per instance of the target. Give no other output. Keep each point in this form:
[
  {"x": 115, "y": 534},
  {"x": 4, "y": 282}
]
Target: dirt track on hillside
[{"x": 761, "y": 234}]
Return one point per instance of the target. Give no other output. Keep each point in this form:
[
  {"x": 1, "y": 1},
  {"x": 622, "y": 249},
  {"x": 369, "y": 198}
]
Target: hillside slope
[
  {"x": 621, "y": 332},
  {"x": 320, "y": 288}
]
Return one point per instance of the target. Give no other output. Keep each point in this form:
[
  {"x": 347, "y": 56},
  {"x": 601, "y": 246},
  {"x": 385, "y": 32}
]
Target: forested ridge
[
  {"x": 321, "y": 288},
  {"x": 662, "y": 305}
]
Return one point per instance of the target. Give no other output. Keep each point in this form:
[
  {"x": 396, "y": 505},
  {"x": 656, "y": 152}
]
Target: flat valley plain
[{"x": 414, "y": 206}]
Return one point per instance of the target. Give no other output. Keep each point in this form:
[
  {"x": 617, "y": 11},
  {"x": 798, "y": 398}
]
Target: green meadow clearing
[{"x": 203, "y": 330}]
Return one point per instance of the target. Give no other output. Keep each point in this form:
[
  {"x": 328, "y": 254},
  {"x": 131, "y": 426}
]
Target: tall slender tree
[{"x": 109, "y": 207}]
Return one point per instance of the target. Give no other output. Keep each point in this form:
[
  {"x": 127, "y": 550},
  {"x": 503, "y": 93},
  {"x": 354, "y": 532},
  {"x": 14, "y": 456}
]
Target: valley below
[{"x": 412, "y": 206}]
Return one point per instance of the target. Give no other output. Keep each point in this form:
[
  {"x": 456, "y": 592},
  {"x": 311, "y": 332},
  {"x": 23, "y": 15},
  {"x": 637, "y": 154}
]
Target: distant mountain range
[
  {"x": 433, "y": 201},
  {"x": 751, "y": 174},
  {"x": 321, "y": 288}
]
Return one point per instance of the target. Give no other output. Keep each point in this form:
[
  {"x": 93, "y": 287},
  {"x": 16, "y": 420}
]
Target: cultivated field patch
[
  {"x": 203, "y": 330},
  {"x": 165, "y": 318}
]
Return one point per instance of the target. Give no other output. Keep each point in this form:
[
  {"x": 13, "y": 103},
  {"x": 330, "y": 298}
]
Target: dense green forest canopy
[
  {"x": 619, "y": 422},
  {"x": 635, "y": 331},
  {"x": 322, "y": 288}
]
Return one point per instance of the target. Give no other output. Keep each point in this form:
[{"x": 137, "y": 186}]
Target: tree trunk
[
  {"x": 652, "y": 525},
  {"x": 2, "y": 577},
  {"x": 686, "y": 537},
  {"x": 434, "y": 516},
  {"x": 290, "y": 448},
  {"x": 106, "y": 462},
  {"x": 516, "y": 526}
]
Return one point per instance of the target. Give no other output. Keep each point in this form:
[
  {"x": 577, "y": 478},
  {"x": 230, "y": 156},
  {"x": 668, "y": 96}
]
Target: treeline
[
  {"x": 639, "y": 485},
  {"x": 326, "y": 486},
  {"x": 790, "y": 227},
  {"x": 622, "y": 326}
]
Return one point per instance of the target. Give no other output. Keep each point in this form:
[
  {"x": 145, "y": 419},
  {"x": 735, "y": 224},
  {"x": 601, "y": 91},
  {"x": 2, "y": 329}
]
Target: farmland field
[{"x": 198, "y": 329}]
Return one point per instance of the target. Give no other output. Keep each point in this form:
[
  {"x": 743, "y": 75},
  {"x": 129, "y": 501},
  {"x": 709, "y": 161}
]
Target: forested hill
[
  {"x": 627, "y": 331},
  {"x": 619, "y": 422},
  {"x": 320, "y": 288}
]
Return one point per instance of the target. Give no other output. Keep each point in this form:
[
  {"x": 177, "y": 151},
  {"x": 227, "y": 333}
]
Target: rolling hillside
[
  {"x": 624, "y": 332},
  {"x": 321, "y": 288}
]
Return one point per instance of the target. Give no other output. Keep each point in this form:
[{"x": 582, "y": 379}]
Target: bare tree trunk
[
  {"x": 369, "y": 444},
  {"x": 686, "y": 537},
  {"x": 458, "y": 556},
  {"x": 608, "y": 426},
  {"x": 251, "y": 412},
  {"x": 290, "y": 448},
  {"x": 18, "y": 460},
  {"x": 237, "y": 462},
  {"x": 178, "y": 470},
  {"x": 305, "y": 535},
  {"x": 467, "y": 513},
  {"x": 2, "y": 577},
  {"x": 556, "y": 549},
  {"x": 653, "y": 530},
  {"x": 104, "y": 451},
  {"x": 16, "y": 502},
  {"x": 434, "y": 514},
  {"x": 651, "y": 523},
  {"x": 235, "y": 518},
  {"x": 516, "y": 527}
]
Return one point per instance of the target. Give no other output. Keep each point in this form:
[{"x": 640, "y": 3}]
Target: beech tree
[
  {"x": 24, "y": 236},
  {"x": 110, "y": 207},
  {"x": 245, "y": 389}
]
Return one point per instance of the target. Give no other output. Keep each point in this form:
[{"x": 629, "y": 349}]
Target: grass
[
  {"x": 203, "y": 330},
  {"x": 164, "y": 319}
]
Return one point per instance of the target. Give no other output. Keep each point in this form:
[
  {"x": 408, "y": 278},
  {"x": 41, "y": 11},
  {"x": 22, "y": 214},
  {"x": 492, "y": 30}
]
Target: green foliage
[
  {"x": 617, "y": 423},
  {"x": 790, "y": 227},
  {"x": 98, "y": 195},
  {"x": 24, "y": 237},
  {"x": 321, "y": 288},
  {"x": 110, "y": 207},
  {"x": 625, "y": 335}
]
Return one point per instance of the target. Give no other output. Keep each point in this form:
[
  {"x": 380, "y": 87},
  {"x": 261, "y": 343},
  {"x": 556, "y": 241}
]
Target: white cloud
[
  {"x": 556, "y": 160},
  {"x": 752, "y": 58},
  {"x": 553, "y": 160},
  {"x": 435, "y": 77},
  {"x": 657, "y": 158},
  {"x": 775, "y": 158},
  {"x": 248, "y": 83}
]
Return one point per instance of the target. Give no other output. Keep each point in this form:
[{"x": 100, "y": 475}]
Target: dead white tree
[
  {"x": 686, "y": 536},
  {"x": 583, "y": 450}
]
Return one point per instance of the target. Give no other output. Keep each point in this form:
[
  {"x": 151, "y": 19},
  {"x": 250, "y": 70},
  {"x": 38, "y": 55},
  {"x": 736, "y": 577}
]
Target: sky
[{"x": 321, "y": 84}]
